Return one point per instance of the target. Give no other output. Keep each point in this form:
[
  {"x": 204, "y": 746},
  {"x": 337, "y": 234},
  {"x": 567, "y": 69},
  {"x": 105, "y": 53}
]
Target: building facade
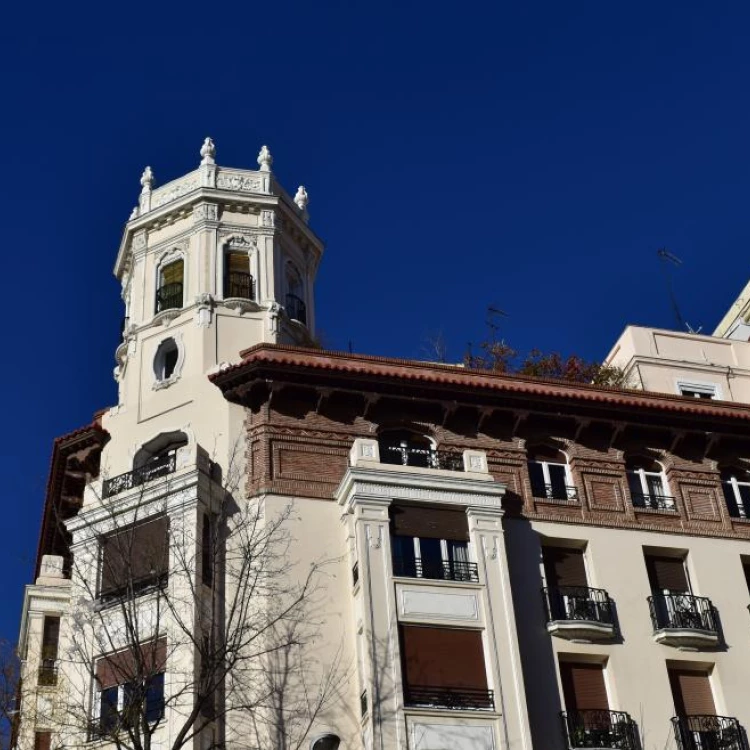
[{"x": 435, "y": 557}]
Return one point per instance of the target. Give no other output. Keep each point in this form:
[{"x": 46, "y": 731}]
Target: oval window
[{"x": 165, "y": 361}]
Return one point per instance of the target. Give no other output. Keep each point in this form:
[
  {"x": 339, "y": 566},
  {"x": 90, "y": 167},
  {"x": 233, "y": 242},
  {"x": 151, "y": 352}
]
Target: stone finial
[
  {"x": 147, "y": 180},
  {"x": 265, "y": 159},
  {"x": 134, "y": 213},
  {"x": 208, "y": 152},
  {"x": 301, "y": 198}
]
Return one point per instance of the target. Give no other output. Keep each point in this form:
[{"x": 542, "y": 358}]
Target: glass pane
[
  {"x": 730, "y": 499},
  {"x": 155, "y": 698},
  {"x": 634, "y": 483},
  {"x": 744, "y": 505},
  {"x": 432, "y": 558},
  {"x": 108, "y": 709},
  {"x": 655, "y": 484},
  {"x": 403, "y": 556},
  {"x": 536, "y": 474},
  {"x": 558, "y": 479},
  {"x": 458, "y": 554}
]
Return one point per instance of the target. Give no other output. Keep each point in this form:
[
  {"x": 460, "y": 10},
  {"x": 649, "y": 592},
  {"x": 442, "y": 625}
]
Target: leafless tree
[
  {"x": 209, "y": 587},
  {"x": 10, "y": 686}
]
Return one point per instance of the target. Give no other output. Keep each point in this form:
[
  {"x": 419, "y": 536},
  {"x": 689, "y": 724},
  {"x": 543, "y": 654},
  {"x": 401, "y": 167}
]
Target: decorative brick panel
[{"x": 602, "y": 492}]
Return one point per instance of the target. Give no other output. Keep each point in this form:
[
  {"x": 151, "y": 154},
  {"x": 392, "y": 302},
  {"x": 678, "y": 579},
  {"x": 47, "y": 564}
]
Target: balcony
[
  {"x": 709, "y": 733},
  {"x": 435, "y": 570},
  {"x": 240, "y": 285},
  {"x": 403, "y": 454},
  {"x": 457, "y": 698},
  {"x": 579, "y": 613},
  {"x": 296, "y": 309},
  {"x": 157, "y": 467},
  {"x": 599, "y": 728},
  {"x": 684, "y": 620},
  {"x": 663, "y": 503},
  {"x": 169, "y": 297},
  {"x": 564, "y": 492}
]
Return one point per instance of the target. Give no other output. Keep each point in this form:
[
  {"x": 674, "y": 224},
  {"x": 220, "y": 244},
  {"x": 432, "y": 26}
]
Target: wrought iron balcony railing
[
  {"x": 555, "y": 492},
  {"x": 682, "y": 611},
  {"x": 448, "y": 697},
  {"x": 709, "y": 733},
  {"x": 599, "y": 728},
  {"x": 239, "y": 284},
  {"x": 438, "y": 570},
  {"x": 169, "y": 297},
  {"x": 47, "y": 673},
  {"x": 578, "y": 603},
  {"x": 159, "y": 466},
  {"x": 428, "y": 458},
  {"x": 296, "y": 308},
  {"x": 654, "y": 502}
]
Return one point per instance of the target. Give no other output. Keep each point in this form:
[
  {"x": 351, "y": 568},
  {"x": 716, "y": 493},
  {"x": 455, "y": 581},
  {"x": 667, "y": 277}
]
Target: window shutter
[
  {"x": 564, "y": 567},
  {"x": 691, "y": 690},
  {"x": 430, "y": 523},
  {"x": 42, "y": 740},
  {"x": 667, "y": 574},
  {"x": 122, "y": 666},
  {"x": 583, "y": 686},
  {"x": 443, "y": 657},
  {"x": 135, "y": 554}
]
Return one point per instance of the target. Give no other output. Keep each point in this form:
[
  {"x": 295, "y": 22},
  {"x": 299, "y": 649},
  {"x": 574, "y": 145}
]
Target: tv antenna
[
  {"x": 494, "y": 317},
  {"x": 669, "y": 260}
]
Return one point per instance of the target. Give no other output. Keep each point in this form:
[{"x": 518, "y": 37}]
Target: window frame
[
  {"x": 735, "y": 484},
  {"x": 641, "y": 474},
  {"x": 699, "y": 389},
  {"x": 571, "y": 491}
]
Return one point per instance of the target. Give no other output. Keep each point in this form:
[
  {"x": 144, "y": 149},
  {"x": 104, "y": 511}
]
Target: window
[
  {"x": 550, "y": 475},
  {"x": 691, "y": 691},
  {"x": 583, "y": 686},
  {"x": 430, "y": 542},
  {"x": 698, "y": 390},
  {"x": 326, "y": 742},
  {"x": 170, "y": 286},
  {"x": 130, "y": 684},
  {"x": 667, "y": 575},
  {"x": 42, "y": 740},
  {"x": 50, "y": 643},
  {"x": 135, "y": 559},
  {"x": 295, "y": 295},
  {"x": 444, "y": 667},
  {"x": 648, "y": 486},
  {"x": 237, "y": 279},
  {"x": 166, "y": 359},
  {"x": 736, "y": 486}
]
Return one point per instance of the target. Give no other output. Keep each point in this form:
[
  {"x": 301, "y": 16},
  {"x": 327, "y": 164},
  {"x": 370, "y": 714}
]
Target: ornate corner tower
[{"x": 210, "y": 264}]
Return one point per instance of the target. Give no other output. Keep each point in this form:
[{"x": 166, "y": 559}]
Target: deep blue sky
[{"x": 529, "y": 155}]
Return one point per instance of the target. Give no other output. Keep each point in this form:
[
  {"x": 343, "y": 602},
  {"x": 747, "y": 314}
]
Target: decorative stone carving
[
  {"x": 139, "y": 240},
  {"x": 265, "y": 160},
  {"x": 301, "y": 198},
  {"x": 268, "y": 218},
  {"x": 208, "y": 152},
  {"x": 134, "y": 213},
  {"x": 165, "y": 317},
  {"x": 173, "y": 191},
  {"x": 205, "y": 212},
  {"x": 205, "y": 304},
  {"x": 239, "y": 241},
  {"x": 147, "y": 180},
  {"x": 241, "y": 182}
]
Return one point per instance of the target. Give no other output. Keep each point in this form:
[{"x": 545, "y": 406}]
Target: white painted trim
[{"x": 699, "y": 386}]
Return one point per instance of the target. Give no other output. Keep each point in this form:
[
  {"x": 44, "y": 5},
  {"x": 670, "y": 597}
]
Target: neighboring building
[{"x": 509, "y": 563}]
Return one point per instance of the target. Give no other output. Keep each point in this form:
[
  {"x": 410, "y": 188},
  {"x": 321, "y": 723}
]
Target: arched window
[
  {"x": 238, "y": 282},
  {"x": 736, "y": 485},
  {"x": 158, "y": 457},
  {"x": 648, "y": 485},
  {"x": 170, "y": 288},
  {"x": 295, "y": 295},
  {"x": 327, "y": 741},
  {"x": 549, "y": 473}
]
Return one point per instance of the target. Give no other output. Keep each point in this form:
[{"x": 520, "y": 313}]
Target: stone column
[{"x": 504, "y": 659}]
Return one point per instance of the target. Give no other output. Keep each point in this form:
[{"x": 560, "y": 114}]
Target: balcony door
[
  {"x": 588, "y": 719},
  {"x": 444, "y": 667},
  {"x": 567, "y": 587}
]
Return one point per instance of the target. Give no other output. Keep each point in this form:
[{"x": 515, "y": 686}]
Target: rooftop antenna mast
[
  {"x": 668, "y": 259},
  {"x": 494, "y": 316}
]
